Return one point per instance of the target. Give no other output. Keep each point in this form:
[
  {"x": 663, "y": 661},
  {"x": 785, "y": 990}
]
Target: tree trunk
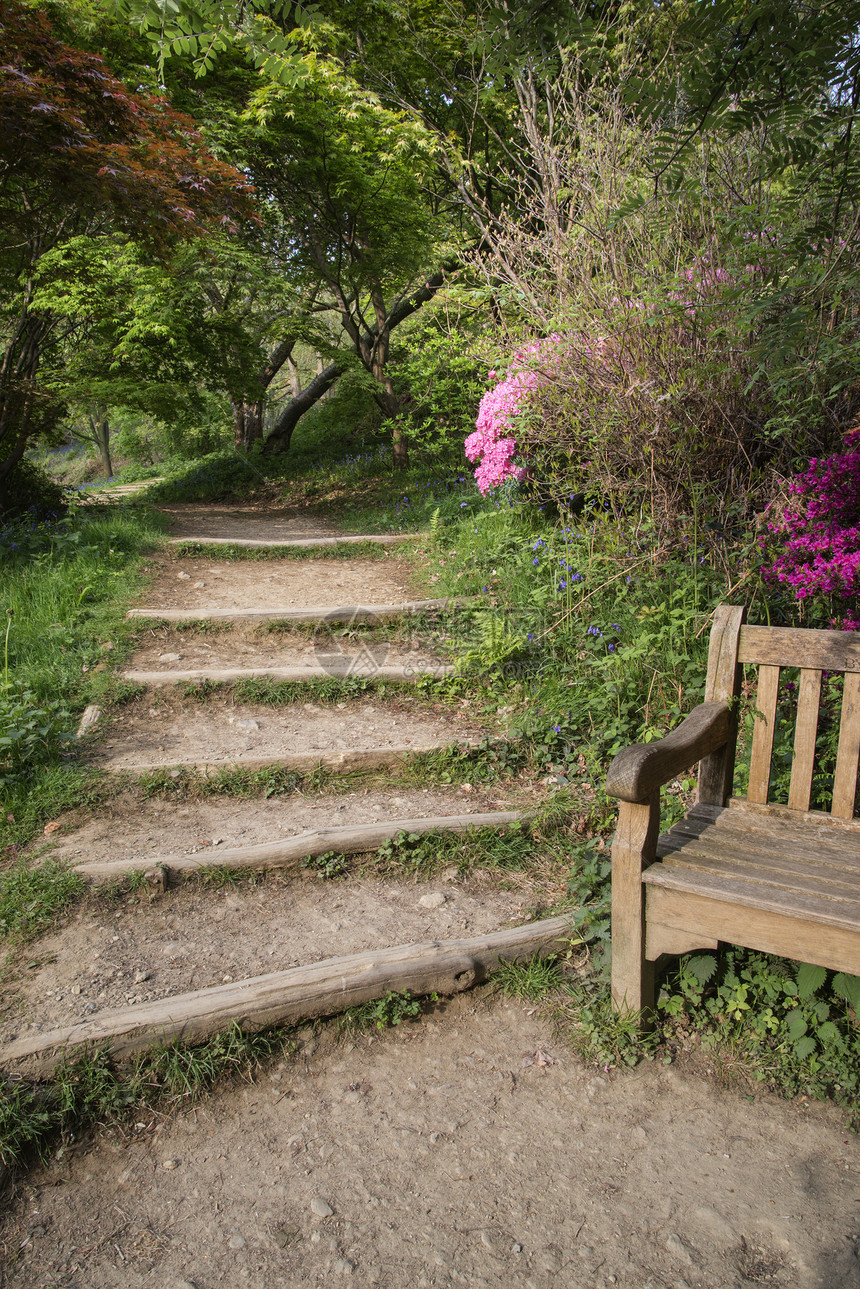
[
  {"x": 399, "y": 447},
  {"x": 279, "y": 439},
  {"x": 387, "y": 400},
  {"x": 295, "y": 379},
  {"x": 247, "y": 423},
  {"x": 100, "y": 428}
]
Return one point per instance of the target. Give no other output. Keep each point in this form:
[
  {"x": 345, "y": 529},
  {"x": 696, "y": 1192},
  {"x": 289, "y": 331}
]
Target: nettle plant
[{"x": 816, "y": 541}]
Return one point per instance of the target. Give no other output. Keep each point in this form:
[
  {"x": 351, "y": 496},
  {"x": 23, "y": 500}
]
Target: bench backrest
[{"x": 734, "y": 644}]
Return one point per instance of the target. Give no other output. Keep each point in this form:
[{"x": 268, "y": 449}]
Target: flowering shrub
[
  {"x": 819, "y": 536},
  {"x": 501, "y": 411}
]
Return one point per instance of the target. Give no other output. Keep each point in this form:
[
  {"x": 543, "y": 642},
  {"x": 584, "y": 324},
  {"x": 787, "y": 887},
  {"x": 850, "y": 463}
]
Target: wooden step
[
  {"x": 286, "y": 997},
  {"x": 226, "y": 675},
  {"x": 288, "y": 852},
  {"x": 347, "y": 761},
  {"x": 379, "y": 539},
  {"x": 350, "y": 613}
]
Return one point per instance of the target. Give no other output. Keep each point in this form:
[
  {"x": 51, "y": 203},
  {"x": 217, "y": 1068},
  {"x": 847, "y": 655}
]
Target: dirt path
[
  {"x": 466, "y": 1147},
  {"x": 191, "y": 583},
  {"x": 259, "y": 520}
]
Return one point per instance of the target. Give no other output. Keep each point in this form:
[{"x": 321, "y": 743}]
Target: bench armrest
[{"x": 639, "y": 771}]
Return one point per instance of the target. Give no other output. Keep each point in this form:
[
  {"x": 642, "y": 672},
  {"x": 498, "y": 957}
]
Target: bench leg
[{"x": 633, "y": 849}]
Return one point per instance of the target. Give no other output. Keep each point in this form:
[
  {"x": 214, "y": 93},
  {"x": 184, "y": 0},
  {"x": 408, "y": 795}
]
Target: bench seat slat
[
  {"x": 741, "y": 868},
  {"x": 784, "y": 861},
  {"x": 805, "y": 848},
  {"x": 779, "y": 821},
  {"x": 844, "y": 913}
]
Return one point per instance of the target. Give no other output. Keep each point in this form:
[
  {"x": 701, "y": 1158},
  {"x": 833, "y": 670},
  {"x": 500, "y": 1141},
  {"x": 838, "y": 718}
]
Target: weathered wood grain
[
  {"x": 284, "y": 997},
  {"x": 763, "y": 730},
  {"x": 227, "y": 675},
  {"x": 782, "y": 815},
  {"x": 768, "y": 930},
  {"x": 638, "y": 771},
  {"x": 740, "y": 894},
  {"x": 634, "y": 848},
  {"x": 848, "y": 751},
  {"x": 350, "y": 613},
  {"x": 805, "y": 732},
  {"x": 769, "y": 870},
  {"x": 722, "y": 685},
  {"x": 686, "y": 835},
  {"x": 800, "y": 647},
  {"x": 288, "y": 852}
]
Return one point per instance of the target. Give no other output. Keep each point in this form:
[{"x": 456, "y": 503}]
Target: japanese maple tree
[{"x": 82, "y": 155}]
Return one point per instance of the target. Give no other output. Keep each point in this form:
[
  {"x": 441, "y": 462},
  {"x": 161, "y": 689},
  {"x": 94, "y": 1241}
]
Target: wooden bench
[{"x": 779, "y": 879}]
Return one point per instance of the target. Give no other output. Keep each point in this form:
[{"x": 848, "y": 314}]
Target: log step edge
[
  {"x": 286, "y": 997},
  {"x": 290, "y": 851}
]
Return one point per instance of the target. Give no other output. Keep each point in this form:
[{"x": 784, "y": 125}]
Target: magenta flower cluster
[
  {"x": 819, "y": 534},
  {"x": 494, "y": 442}
]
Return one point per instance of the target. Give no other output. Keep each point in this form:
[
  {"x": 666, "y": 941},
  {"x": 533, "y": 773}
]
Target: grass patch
[
  {"x": 340, "y": 551},
  {"x": 59, "y": 788},
  {"x": 528, "y": 981},
  {"x": 423, "y": 854},
  {"x": 265, "y": 691},
  {"x": 319, "y": 689},
  {"x": 34, "y": 897},
  {"x": 65, "y": 588},
  {"x": 93, "y": 1091},
  {"x": 193, "y": 785}
]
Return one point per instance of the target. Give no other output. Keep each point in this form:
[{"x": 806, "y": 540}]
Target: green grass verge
[
  {"x": 34, "y": 896},
  {"x": 65, "y": 590}
]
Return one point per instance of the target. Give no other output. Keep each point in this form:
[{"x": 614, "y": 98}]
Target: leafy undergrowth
[{"x": 219, "y": 476}]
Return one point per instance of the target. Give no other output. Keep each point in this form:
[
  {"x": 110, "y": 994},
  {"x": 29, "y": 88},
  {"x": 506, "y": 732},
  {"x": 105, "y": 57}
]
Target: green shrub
[
  {"x": 213, "y": 478},
  {"x": 31, "y": 496}
]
